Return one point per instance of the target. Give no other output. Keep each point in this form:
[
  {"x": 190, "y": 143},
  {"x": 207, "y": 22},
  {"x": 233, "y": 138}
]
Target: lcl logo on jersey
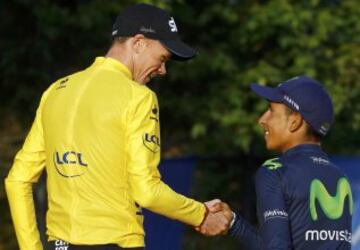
[
  {"x": 70, "y": 163},
  {"x": 151, "y": 142}
]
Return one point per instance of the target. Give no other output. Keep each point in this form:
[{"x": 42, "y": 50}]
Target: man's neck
[
  {"x": 305, "y": 140},
  {"x": 120, "y": 54}
]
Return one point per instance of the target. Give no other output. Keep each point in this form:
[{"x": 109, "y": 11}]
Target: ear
[
  {"x": 296, "y": 122},
  {"x": 138, "y": 43}
]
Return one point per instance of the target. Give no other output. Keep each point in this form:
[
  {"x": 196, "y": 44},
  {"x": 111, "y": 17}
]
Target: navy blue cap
[
  {"x": 304, "y": 95},
  {"x": 153, "y": 23}
]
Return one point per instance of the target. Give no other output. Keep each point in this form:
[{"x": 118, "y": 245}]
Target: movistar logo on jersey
[
  {"x": 332, "y": 206},
  {"x": 272, "y": 164},
  {"x": 326, "y": 235}
]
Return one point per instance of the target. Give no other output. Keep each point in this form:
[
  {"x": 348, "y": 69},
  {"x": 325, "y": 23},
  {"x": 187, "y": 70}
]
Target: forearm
[
  {"x": 246, "y": 234},
  {"x": 22, "y": 208},
  {"x": 143, "y": 158},
  {"x": 160, "y": 198}
]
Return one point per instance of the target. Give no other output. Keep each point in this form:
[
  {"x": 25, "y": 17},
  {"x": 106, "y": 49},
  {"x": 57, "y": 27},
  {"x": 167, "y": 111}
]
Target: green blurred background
[{"x": 207, "y": 108}]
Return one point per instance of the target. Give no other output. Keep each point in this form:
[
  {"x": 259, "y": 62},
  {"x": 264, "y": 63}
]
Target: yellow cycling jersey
[{"x": 97, "y": 133}]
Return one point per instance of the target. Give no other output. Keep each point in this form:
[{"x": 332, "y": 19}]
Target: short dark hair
[{"x": 120, "y": 39}]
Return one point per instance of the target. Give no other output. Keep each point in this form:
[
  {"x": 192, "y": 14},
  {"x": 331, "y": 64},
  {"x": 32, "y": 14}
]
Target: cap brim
[
  {"x": 180, "y": 51},
  {"x": 271, "y": 94}
]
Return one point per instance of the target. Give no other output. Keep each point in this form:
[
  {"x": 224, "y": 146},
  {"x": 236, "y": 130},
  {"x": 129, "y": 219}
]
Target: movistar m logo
[
  {"x": 332, "y": 206},
  {"x": 272, "y": 164}
]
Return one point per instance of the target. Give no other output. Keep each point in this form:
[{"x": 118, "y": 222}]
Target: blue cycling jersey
[{"x": 303, "y": 202}]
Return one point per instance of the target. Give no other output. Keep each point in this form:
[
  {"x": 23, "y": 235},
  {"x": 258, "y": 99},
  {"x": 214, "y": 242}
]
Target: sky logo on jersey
[
  {"x": 62, "y": 83},
  {"x": 332, "y": 206},
  {"x": 70, "y": 163},
  {"x": 151, "y": 142},
  {"x": 154, "y": 114}
]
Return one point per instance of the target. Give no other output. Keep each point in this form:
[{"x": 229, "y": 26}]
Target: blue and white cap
[{"x": 304, "y": 95}]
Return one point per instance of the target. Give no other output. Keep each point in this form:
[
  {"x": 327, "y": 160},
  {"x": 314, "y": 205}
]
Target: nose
[
  {"x": 162, "y": 69},
  {"x": 263, "y": 118}
]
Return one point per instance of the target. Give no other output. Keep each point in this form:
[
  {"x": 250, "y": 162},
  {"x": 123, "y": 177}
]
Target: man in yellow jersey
[{"x": 96, "y": 132}]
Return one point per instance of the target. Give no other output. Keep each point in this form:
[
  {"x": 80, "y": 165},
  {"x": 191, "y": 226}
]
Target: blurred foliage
[
  {"x": 206, "y": 105},
  {"x": 240, "y": 42}
]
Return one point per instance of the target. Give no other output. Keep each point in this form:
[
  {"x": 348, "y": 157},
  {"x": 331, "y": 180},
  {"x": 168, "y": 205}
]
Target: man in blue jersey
[{"x": 303, "y": 200}]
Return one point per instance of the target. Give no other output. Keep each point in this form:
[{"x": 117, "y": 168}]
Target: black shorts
[{"x": 63, "y": 245}]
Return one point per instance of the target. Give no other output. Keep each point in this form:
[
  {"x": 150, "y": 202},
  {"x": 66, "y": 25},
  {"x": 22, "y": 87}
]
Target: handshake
[{"x": 218, "y": 218}]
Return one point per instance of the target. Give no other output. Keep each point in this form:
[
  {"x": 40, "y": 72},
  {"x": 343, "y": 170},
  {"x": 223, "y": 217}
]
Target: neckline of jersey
[
  {"x": 303, "y": 147},
  {"x": 113, "y": 64}
]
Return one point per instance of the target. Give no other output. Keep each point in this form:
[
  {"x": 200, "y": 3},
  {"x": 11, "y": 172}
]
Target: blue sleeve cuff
[{"x": 245, "y": 233}]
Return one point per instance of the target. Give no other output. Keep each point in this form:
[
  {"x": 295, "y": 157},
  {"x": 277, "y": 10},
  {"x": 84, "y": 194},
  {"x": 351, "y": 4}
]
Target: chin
[
  {"x": 143, "y": 82},
  {"x": 268, "y": 145},
  {"x": 271, "y": 147},
  {"x": 146, "y": 80}
]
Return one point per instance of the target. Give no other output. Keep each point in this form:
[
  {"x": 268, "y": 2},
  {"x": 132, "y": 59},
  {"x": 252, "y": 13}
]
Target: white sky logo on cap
[{"x": 172, "y": 25}]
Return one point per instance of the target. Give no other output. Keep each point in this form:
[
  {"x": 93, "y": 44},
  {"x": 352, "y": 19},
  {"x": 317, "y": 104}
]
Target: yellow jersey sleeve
[
  {"x": 148, "y": 190},
  {"x": 26, "y": 170}
]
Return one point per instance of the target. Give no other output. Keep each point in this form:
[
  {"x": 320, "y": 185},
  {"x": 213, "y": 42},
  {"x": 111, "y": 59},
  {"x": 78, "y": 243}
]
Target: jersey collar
[
  {"x": 303, "y": 148},
  {"x": 113, "y": 64}
]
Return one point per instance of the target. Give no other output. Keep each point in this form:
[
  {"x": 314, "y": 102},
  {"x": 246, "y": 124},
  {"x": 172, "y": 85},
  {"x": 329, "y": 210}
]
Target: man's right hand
[{"x": 217, "y": 220}]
